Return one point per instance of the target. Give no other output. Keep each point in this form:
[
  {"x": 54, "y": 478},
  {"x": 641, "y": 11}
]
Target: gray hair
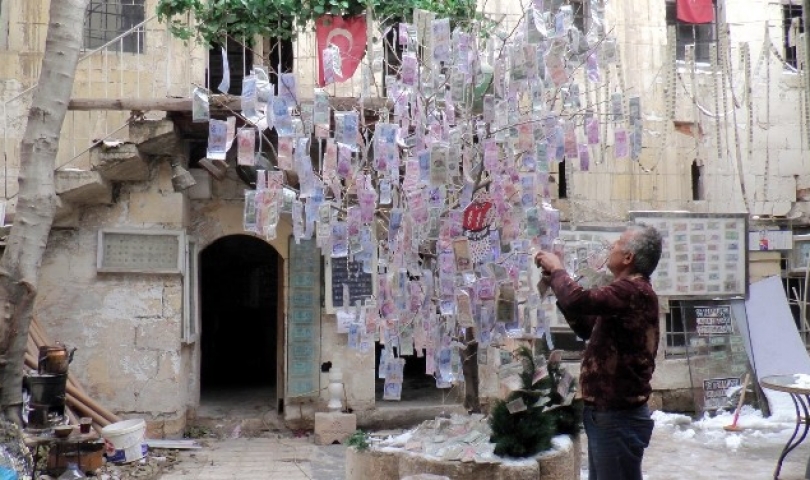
[{"x": 645, "y": 245}]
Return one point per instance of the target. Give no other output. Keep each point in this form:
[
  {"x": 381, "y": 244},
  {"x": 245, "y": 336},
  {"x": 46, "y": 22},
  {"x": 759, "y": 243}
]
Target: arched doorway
[{"x": 240, "y": 278}]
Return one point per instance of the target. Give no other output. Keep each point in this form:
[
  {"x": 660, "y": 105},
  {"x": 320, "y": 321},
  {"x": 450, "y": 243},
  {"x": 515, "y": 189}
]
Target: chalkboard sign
[{"x": 342, "y": 271}]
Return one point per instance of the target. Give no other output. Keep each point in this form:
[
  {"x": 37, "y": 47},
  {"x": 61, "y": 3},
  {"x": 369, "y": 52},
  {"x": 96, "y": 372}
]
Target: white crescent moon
[{"x": 340, "y": 32}]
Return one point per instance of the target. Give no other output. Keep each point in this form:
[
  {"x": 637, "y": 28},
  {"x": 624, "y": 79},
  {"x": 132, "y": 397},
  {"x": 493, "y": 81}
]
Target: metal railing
[{"x": 162, "y": 69}]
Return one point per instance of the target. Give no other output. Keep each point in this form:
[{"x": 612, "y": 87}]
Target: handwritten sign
[
  {"x": 713, "y": 320},
  {"x": 715, "y": 392}
]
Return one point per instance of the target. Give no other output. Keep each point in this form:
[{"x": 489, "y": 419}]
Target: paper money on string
[
  {"x": 225, "y": 84},
  {"x": 199, "y": 106}
]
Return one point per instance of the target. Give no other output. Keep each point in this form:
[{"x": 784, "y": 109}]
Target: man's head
[{"x": 637, "y": 251}]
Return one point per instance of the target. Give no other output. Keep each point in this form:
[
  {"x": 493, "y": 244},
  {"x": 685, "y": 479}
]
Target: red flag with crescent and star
[
  {"x": 695, "y": 11},
  {"x": 348, "y": 34}
]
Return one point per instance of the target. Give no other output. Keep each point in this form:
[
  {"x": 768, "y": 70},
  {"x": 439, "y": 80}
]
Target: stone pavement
[{"x": 260, "y": 458}]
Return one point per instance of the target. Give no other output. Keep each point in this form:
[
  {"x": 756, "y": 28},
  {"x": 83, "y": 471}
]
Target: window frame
[
  {"x": 96, "y": 38},
  {"x": 177, "y": 268},
  {"x": 706, "y": 29},
  {"x": 191, "y": 293},
  {"x": 789, "y": 8}
]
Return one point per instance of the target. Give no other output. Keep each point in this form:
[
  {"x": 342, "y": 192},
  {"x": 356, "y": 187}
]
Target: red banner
[
  {"x": 348, "y": 35},
  {"x": 695, "y": 11}
]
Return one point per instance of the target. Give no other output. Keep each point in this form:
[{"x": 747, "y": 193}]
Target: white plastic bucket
[{"x": 126, "y": 436}]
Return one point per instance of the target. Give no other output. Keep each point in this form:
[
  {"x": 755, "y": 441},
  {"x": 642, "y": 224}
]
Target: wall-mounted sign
[
  {"x": 714, "y": 320},
  {"x": 703, "y": 255}
]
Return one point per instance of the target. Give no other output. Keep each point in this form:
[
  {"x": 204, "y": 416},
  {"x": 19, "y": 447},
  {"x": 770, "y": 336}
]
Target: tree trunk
[
  {"x": 469, "y": 366},
  {"x": 36, "y": 200}
]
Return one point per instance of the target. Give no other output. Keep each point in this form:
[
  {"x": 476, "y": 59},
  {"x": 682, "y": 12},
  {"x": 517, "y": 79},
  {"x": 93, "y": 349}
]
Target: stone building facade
[{"x": 721, "y": 135}]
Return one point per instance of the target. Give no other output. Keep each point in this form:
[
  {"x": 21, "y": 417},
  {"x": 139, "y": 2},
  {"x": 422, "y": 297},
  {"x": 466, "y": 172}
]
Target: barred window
[
  {"x": 700, "y": 35},
  {"x": 107, "y": 20},
  {"x": 793, "y": 25}
]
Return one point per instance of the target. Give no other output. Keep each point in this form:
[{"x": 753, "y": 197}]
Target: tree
[
  {"x": 458, "y": 168},
  {"x": 36, "y": 200}
]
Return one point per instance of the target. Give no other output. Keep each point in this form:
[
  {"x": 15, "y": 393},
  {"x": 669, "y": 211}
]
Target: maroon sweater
[{"x": 620, "y": 322}]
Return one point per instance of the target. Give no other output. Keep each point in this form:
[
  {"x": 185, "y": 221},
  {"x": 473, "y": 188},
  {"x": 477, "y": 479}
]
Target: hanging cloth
[{"x": 695, "y": 11}]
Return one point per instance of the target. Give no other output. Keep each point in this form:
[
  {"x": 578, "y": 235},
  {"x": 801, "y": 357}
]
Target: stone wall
[{"x": 126, "y": 326}]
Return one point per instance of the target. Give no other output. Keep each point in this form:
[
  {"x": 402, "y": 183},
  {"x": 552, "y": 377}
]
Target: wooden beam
[{"x": 218, "y": 103}]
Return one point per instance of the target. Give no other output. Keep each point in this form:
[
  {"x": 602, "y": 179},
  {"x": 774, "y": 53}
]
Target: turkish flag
[
  {"x": 348, "y": 34},
  {"x": 695, "y": 11}
]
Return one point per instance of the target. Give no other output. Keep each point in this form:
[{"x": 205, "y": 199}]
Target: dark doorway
[{"x": 239, "y": 307}]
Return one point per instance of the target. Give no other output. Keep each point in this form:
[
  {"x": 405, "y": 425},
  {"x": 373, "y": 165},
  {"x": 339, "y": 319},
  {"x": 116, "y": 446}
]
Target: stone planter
[{"x": 392, "y": 464}]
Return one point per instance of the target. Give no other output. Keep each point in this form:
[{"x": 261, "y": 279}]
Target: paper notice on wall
[
  {"x": 246, "y": 144},
  {"x": 225, "y": 84}
]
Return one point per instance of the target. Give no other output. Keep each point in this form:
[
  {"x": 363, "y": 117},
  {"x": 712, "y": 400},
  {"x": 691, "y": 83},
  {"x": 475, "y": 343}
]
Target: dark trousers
[{"x": 616, "y": 442}]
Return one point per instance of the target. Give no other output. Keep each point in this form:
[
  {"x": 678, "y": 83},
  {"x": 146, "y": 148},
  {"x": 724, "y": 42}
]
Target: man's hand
[{"x": 548, "y": 262}]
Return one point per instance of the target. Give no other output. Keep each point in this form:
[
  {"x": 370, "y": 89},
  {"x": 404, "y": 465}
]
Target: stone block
[
  {"x": 331, "y": 427},
  {"x": 67, "y": 215},
  {"x": 202, "y": 189},
  {"x": 371, "y": 465},
  {"x": 561, "y": 463},
  {"x": 81, "y": 187},
  {"x": 680, "y": 400},
  {"x": 119, "y": 163},
  {"x": 155, "y": 137},
  {"x": 156, "y": 208}
]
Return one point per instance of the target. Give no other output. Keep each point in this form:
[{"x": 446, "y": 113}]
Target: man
[{"x": 620, "y": 323}]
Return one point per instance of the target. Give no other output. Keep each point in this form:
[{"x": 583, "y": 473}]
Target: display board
[
  {"x": 343, "y": 271},
  {"x": 303, "y": 312},
  {"x": 704, "y": 254},
  {"x": 715, "y": 350}
]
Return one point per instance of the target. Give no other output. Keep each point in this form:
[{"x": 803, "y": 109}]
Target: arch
[{"x": 240, "y": 290}]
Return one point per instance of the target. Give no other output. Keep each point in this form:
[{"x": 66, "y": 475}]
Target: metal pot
[{"x": 54, "y": 359}]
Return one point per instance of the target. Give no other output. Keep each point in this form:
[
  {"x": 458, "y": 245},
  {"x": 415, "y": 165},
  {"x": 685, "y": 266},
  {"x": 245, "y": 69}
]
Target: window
[
  {"x": 793, "y": 24},
  {"x": 106, "y": 20},
  {"x": 700, "y": 35},
  {"x": 697, "y": 181},
  {"x": 676, "y": 331},
  {"x": 191, "y": 298},
  {"x": 580, "y": 8},
  {"x": 562, "y": 184}
]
